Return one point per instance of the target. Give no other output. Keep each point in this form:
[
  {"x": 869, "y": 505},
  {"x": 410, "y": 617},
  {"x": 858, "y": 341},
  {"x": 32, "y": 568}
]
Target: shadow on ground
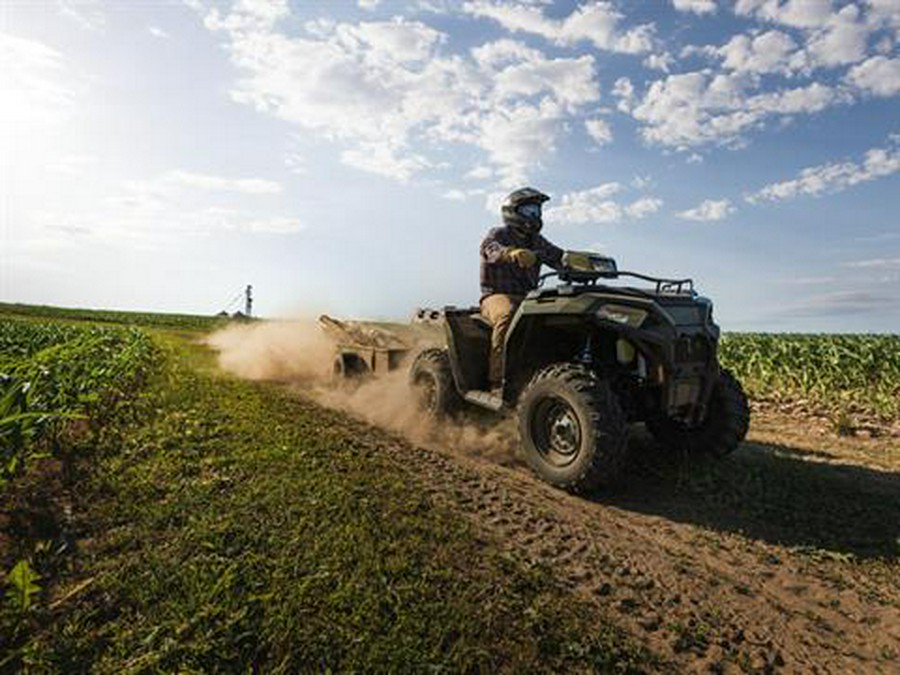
[{"x": 768, "y": 492}]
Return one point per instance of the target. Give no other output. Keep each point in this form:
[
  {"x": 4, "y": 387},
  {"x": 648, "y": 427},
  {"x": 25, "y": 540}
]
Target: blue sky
[{"x": 349, "y": 156}]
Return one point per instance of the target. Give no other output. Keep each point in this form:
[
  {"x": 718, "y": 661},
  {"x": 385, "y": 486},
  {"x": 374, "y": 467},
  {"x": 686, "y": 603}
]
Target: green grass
[{"x": 228, "y": 526}]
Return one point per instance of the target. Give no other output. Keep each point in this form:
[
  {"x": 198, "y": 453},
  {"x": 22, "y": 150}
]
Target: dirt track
[{"x": 782, "y": 558}]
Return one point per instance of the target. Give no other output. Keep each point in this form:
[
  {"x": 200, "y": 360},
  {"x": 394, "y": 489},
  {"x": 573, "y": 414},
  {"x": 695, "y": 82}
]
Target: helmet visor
[{"x": 529, "y": 211}]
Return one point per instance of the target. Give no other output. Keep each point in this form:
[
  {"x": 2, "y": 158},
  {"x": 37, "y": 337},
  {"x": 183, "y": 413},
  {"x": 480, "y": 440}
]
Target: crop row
[
  {"x": 148, "y": 319},
  {"x": 841, "y": 373},
  {"x": 53, "y": 373}
]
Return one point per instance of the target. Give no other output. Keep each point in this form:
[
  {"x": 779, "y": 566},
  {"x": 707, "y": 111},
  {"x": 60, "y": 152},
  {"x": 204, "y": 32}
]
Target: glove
[{"x": 522, "y": 257}]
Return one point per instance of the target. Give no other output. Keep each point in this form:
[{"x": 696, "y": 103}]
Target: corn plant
[
  {"x": 838, "y": 372},
  {"x": 51, "y": 373}
]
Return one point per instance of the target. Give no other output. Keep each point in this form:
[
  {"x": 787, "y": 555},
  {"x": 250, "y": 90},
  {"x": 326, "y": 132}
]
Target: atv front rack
[{"x": 663, "y": 286}]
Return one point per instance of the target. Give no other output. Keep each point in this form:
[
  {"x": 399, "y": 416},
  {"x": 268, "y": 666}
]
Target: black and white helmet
[{"x": 522, "y": 211}]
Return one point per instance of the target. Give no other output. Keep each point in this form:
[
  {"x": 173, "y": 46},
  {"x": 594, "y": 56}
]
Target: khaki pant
[{"x": 498, "y": 309}]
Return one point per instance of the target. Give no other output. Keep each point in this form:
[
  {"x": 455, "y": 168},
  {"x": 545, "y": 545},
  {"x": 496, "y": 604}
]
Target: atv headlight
[
  {"x": 589, "y": 263},
  {"x": 622, "y": 314}
]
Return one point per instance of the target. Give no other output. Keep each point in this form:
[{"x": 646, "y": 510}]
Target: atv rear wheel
[
  {"x": 725, "y": 426},
  {"x": 573, "y": 430},
  {"x": 432, "y": 381}
]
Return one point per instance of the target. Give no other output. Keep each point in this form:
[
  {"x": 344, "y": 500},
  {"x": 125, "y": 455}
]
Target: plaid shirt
[{"x": 499, "y": 275}]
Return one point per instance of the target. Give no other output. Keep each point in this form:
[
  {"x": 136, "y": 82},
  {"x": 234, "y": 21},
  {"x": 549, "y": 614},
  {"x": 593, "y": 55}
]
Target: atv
[{"x": 586, "y": 358}]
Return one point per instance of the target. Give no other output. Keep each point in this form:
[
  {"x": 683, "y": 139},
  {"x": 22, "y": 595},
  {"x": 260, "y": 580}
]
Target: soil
[{"x": 782, "y": 557}]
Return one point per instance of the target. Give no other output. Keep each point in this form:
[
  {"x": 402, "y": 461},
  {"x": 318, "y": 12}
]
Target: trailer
[{"x": 362, "y": 350}]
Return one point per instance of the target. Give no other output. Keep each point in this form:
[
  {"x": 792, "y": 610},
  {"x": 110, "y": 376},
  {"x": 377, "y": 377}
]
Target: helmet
[{"x": 522, "y": 211}]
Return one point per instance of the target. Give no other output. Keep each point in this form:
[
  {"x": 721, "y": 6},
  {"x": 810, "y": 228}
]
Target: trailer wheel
[
  {"x": 432, "y": 382},
  {"x": 349, "y": 366}
]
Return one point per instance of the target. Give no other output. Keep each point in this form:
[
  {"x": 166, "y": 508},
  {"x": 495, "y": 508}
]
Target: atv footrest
[{"x": 485, "y": 399}]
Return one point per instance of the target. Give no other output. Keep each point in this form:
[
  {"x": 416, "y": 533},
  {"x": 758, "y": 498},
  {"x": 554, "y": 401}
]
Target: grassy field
[
  {"x": 216, "y": 524},
  {"x": 158, "y": 515}
]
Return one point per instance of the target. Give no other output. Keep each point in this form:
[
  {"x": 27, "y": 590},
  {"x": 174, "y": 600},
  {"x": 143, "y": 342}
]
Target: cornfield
[
  {"x": 843, "y": 374},
  {"x": 51, "y": 373}
]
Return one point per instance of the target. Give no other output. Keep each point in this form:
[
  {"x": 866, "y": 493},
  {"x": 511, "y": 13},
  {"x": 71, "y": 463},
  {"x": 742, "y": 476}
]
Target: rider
[{"x": 511, "y": 258}]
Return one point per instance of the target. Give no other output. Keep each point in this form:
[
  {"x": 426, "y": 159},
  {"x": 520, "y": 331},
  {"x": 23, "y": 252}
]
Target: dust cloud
[{"x": 300, "y": 353}]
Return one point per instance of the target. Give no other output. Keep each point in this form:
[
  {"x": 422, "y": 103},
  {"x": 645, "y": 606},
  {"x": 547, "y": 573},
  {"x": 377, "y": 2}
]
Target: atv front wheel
[
  {"x": 573, "y": 430},
  {"x": 432, "y": 381},
  {"x": 725, "y": 426}
]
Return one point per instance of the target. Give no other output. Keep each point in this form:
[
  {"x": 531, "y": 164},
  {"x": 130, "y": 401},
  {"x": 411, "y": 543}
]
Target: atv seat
[{"x": 469, "y": 340}]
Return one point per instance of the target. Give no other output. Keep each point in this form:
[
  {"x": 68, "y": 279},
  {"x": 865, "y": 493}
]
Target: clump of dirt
[{"x": 300, "y": 353}]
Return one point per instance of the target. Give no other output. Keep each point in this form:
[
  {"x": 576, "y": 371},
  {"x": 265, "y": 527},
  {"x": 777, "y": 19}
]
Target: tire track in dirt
[
  {"x": 706, "y": 601},
  {"x": 706, "y": 587}
]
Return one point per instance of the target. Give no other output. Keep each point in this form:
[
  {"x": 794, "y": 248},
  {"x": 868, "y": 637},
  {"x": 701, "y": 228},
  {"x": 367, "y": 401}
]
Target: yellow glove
[{"x": 522, "y": 257}]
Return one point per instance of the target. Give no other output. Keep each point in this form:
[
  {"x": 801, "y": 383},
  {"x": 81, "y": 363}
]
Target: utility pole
[{"x": 248, "y": 302}]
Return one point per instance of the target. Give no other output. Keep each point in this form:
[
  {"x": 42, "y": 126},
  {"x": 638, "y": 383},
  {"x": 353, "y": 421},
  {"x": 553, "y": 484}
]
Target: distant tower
[{"x": 248, "y": 303}]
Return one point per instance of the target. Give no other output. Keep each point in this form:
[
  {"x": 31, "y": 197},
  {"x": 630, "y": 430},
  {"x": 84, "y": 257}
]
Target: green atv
[{"x": 584, "y": 360}]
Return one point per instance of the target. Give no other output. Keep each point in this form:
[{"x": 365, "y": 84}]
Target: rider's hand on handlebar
[{"x": 522, "y": 257}]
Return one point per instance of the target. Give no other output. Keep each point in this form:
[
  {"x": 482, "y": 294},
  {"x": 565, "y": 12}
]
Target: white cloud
[
  {"x": 695, "y": 6},
  {"x": 598, "y": 23},
  {"x": 250, "y": 186},
  {"x": 158, "y": 32},
  {"x": 841, "y": 40},
  {"x": 38, "y": 90},
  {"x": 691, "y": 109},
  {"x": 643, "y": 207},
  {"x": 833, "y": 36},
  {"x": 709, "y": 210},
  {"x": 385, "y": 160},
  {"x": 454, "y": 195},
  {"x": 368, "y": 5},
  {"x": 878, "y": 75},
  {"x": 164, "y": 210},
  {"x": 641, "y": 182},
  {"x": 769, "y": 52},
  {"x": 833, "y": 177},
  {"x": 380, "y": 88},
  {"x": 623, "y": 90},
  {"x": 599, "y": 130},
  {"x": 480, "y": 173},
  {"x": 794, "y": 13},
  {"x": 296, "y": 164},
  {"x": 875, "y": 264},
  {"x": 884, "y": 12},
  {"x": 595, "y": 205},
  {"x": 86, "y": 13},
  {"x": 662, "y": 61}
]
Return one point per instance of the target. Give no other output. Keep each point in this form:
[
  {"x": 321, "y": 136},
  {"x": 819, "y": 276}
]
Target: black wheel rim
[{"x": 556, "y": 431}]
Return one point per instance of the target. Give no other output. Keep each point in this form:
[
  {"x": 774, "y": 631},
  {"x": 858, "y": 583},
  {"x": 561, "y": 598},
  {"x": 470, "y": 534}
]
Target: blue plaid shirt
[{"x": 499, "y": 275}]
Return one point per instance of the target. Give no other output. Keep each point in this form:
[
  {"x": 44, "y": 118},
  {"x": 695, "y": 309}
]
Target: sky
[{"x": 348, "y": 156}]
